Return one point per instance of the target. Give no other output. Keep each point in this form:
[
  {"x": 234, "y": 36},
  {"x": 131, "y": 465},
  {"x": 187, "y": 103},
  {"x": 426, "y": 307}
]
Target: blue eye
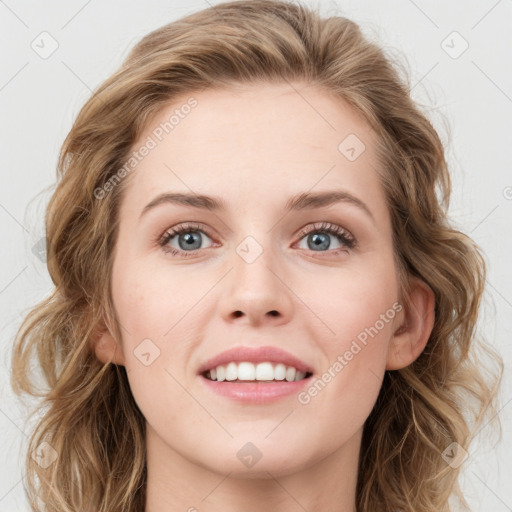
[
  {"x": 320, "y": 234},
  {"x": 189, "y": 239}
]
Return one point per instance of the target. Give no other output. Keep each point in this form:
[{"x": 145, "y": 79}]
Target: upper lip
[{"x": 255, "y": 355}]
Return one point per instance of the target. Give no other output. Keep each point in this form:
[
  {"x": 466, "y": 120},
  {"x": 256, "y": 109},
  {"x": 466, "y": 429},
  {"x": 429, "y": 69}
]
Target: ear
[
  {"x": 106, "y": 348},
  {"x": 410, "y": 339}
]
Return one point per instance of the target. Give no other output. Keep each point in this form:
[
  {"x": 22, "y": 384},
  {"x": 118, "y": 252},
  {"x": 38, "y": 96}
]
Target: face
[{"x": 317, "y": 280}]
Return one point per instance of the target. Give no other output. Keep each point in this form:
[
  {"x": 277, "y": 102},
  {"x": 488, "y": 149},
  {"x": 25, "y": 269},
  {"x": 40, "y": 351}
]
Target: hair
[{"x": 91, "y": 419}]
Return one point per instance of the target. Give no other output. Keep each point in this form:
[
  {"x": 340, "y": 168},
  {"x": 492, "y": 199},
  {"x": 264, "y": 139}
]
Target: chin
[{"x": 252, "y": 461}]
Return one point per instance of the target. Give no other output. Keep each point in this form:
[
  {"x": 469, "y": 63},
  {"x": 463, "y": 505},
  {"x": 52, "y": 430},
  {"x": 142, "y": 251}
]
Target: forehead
[{"x": 256, "y": 141}]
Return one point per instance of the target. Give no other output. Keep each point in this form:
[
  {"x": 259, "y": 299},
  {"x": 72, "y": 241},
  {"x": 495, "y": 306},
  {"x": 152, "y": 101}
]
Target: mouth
[
  {"x": 255, "y": 376},
  {"x": 260, "y": 373}
]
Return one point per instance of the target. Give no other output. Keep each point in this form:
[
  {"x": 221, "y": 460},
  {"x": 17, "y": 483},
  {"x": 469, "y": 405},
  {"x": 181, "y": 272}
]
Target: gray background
[{"x": 469, "y": 99}]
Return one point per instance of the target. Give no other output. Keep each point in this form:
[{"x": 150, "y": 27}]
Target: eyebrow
[{"x": 299, "y": 202}]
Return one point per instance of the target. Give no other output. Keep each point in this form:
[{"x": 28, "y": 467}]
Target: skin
[{"x": 255, "y": 147}]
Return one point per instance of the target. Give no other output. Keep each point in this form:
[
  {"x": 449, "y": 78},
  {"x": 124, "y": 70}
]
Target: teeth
[{"x": 247, "y": 371}]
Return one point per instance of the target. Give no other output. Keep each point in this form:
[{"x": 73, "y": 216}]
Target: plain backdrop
[{"x": 459, "y": 55}]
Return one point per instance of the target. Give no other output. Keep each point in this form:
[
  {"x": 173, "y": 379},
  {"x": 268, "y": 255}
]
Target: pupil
[
  {"x": 319, "y": 240},
  {"x": 190, "y": 239}
]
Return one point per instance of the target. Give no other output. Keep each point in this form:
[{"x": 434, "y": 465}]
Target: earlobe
[
  {"x": 411, "y": 337},
  {"x": 106, "y": 348}
]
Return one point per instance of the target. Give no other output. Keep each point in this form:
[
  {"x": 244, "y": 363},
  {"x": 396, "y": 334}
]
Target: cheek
[
  {"x": 149, "y": 314},
  {"x": 357, "y": 299},
  {"x": 345, "y": 391},
  {"x": 362, "y": 316},
  {"x": 146, "y": 314},
  {"x": 149, "y": 306},
  {"x": 158, "y": 320}
]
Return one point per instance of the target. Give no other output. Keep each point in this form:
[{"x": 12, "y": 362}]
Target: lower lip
[{"x": 256, "y": 393}]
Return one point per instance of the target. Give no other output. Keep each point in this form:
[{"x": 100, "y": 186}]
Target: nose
[{"x": 257, "y": 292}]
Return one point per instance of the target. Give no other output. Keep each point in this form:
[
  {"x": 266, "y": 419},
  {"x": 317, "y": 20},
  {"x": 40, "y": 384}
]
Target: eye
[
  {"x": 189, "y": 238},
  {"x": 320, "y": 237},
  {"x": 188, "y": 244}
]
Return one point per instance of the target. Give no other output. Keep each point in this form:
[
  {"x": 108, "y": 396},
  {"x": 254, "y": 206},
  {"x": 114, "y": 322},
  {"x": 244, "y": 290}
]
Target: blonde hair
[{"x": 92, "y": 421}]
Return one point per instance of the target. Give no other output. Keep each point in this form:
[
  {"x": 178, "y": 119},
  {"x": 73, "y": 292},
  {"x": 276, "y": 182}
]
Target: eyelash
[{"x": 343, "y": 236}]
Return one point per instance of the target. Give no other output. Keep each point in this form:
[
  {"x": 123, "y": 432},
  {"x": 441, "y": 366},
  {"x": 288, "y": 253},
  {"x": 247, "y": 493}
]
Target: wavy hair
[{"x": 95, "y": 433}]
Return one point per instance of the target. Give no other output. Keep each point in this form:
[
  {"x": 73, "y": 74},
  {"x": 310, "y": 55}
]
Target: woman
[{"x": 259, "y": 300}]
